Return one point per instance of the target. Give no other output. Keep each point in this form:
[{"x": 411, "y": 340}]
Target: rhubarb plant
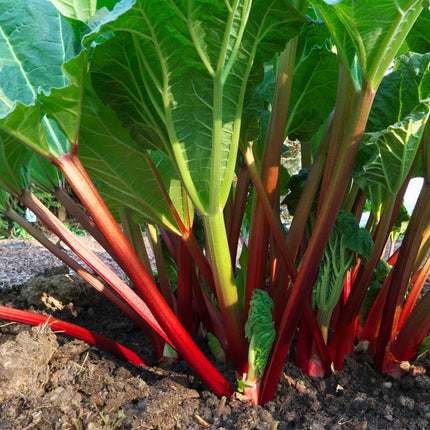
[{"x": 172, "y": 117}]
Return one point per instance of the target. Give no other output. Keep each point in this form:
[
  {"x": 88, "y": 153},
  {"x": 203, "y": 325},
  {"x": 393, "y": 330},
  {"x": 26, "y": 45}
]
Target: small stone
[
  {"x": 339, "y": 389},
  {"x": 387, "y": 384},
  {"x": 407, "y": 402}
]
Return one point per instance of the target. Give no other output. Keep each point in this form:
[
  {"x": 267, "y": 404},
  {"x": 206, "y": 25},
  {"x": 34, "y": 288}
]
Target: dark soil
[{"x": 50, "y": 381}]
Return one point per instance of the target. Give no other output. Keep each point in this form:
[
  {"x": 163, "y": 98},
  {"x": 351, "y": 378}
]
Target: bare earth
[{"x": 49, "y": 381}]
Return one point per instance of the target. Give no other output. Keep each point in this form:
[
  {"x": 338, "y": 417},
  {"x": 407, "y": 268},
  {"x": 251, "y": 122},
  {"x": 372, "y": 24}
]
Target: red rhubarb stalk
[
  {"x": 402, "y": 271},
  {"x": 88, "y": 195},
  {"x": 72, "y": 330},
  {"x": 308, "y": 269},
  {"x": 405, "y": 345},
  {"x": 260, "y": 230},
  {"x": 418, "y": 282}
]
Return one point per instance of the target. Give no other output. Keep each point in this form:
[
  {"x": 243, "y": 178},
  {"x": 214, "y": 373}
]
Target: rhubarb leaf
[
  {"x": 314, "y": 87},
  {"x": 81, "y": 10},
  {"x": 400, "y": 91},
  {"x": 121, "y": 170},
  {"x": 418, "y": 39},
  {"x": 375, "y": 43},
  {"x": 184, "y": 76},
  {"x": 44, "y": 174},
  {"x": 386, "y": 156},
  {"x": 14, "y": 159},
  {"x": 380, "y": 275},
  {"x": 31, "y": 55},
  {"x": 346, "y": 239},
  {"x": 260, "y": 331}
]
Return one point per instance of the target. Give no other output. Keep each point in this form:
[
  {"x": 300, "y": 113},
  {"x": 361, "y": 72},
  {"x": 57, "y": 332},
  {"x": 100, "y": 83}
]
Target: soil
[{"x": 50, "y": 381}]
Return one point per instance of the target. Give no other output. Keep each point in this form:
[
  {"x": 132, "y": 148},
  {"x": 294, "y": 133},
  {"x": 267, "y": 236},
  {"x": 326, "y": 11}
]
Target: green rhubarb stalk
[{"x": 228, "y": 298}]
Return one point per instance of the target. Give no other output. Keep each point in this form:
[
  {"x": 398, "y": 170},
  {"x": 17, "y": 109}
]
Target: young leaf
[
  {"x": 81, "y": 10},
  {"x": 345, "y": 241},
  {"x": 216, "y": 348},
  {"x": 260, "y": 331}
]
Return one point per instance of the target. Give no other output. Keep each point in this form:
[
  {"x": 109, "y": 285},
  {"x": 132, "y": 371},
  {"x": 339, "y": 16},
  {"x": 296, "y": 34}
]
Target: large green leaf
[
  {"x": 386, "y": 156},
  {"x": 418, "y": 39},
  {"x": 44, "y": 174},
  {"x": 400, "y": 91},
  {"x": 394, "y": 129},
  {"x": 33, "y": 59},
  {"x": 179, "y": 70},
  {"x": 118, "y": 166},
  {"x": 314, "y": 83},
  {"x": 371, "y": 30},
  {"x": 35, "y": 40}
]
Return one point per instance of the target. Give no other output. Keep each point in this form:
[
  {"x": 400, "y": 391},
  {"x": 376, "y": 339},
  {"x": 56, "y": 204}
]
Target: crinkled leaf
[
  {"x": 181, "y": 69},
  {"x": 4, "y": 201},
  {"x": 216, "y": 348},
  {"x": 375, "y": 42},
  {"x": 260, "y": 331},
  {"x": 346, "y": 239}
]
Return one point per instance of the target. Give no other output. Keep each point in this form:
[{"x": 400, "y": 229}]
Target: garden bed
[{"x": 49, "y": 381}]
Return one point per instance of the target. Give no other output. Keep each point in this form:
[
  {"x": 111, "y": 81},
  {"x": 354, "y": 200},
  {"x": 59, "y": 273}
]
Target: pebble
[
  {"x": 407, "y": 402},
  {"x": 387, "y": 384}
]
